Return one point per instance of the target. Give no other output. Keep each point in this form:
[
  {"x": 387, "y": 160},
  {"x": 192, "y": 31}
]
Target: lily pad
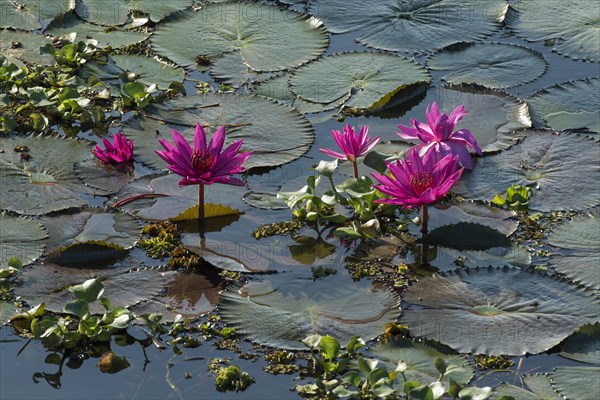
[
  {"x": 7, "y": 310},
  {"x": 281, "y": 312},
  {"x": 103, "y": 179},
  {"x": 492, "y": 65},
  {"x": 24, "y": 46},
  {"x": 411, "y": 25},
  {"x": 44, "y": 181},
  {"x": 117, "y": 13},
  {"x": 29, "y": 14},
  {"x": 579, "y": 243},
  {"x": 106, "y": 37},
  {"x": 551, "y": 164},
  {"x": 497, "y": 311},
  {"x": 367, "y": 79},
  {"x": 539, "y": 389},
  {"x": 275, "y": 134},
  {"x": 583, "y": 345},
  {"x": 570, "y": 28},
  {"x": 266, "y": 201},
  {"x": 503, "y": 221},
  {"x": 232, "y": 70},
  {"x": 568, "y": 105},
  {"x": 448, "y": 258},
  {"x": 260, "y": 33},
  {"x": 577, "y": 383},
  {"x": 20, "y": 237}
]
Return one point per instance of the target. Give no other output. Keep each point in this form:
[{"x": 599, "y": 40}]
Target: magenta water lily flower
[
  {"x": 119, "y": 152},
  {"x": 438, "y": 135},
  {"x": 353, "y": 145}
]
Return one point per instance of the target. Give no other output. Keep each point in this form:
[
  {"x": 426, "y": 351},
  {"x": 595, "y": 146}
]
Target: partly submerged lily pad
[
  {"x": 568, "y": 105},
  {"x": 280, "y": 311},
  {"x": 42, "y": 181},
  {"x": 368, "y": 80},
  {"x": 551, "y": 164},
  {"x": 118, "y": 11},
  {"x": 579, "y": 243},
  {"x": 577, "y": 383},
  {"x": 20, "y": 237},
  {"x": 260, "y": 33},
  {"x": 583, "y": 345},
  {"x": 417, "y": 26},
  {"x": 29, "y": 14},
  {"x": 539, "y": 389},
  {"x": 24, "y": 46},
  {"x": 570, "y": 28},
  {"x": 275, "y": 134},
  {"x": 497, "y": 310},
  {"x": 492, "y": 65}
]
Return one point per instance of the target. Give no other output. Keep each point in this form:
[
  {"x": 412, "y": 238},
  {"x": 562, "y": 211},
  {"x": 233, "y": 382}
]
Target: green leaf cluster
[{"x": 517, "y": 198}]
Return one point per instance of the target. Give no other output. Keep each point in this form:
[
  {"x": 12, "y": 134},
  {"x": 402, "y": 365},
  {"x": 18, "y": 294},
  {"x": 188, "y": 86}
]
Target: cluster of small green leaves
[
  {"x": 347, "y": 374},
  {"x": 517, "y": 198},
  {"x": 163, "y": 241}
]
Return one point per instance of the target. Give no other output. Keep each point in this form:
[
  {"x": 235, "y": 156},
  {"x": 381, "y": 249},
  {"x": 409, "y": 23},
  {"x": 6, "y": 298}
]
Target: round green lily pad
[
  {"x": 29, "y": 14},
  {"x": 577, "y": 383},
  {"x": 117, "y": 13},
  {"x": 22, "y": 238},
  {"x": 24, "y": 46}
]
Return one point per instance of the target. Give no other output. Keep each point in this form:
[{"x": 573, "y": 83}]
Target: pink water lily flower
[
  {"x": 119, "y": 152},
  {"x": 438, "y": 136},
  {"x": 353, "y": 145}
]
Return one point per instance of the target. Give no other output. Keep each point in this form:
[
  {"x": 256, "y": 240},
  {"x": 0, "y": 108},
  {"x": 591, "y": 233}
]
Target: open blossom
[
  {"x": 204, "y": 164},
  {"x": 353, "y": 145},
  {"x": 438, "y": 136},
  {"x": 415, "y": 182},
  {"x": 119, "y": 152}
]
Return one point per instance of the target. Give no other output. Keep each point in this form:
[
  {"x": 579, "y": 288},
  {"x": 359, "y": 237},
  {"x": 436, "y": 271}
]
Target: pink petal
[
  {"x": 216, "y": 142},
  {"x": 199, "y": 138}
]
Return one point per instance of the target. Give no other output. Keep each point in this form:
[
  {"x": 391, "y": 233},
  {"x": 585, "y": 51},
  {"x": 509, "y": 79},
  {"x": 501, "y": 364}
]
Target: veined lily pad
[
  {"x": 497, "y": 310},
  {"x": 118, "y": 11},
  {"x": 20, "y": 237},
  {"x": 411, "y": 25},
  {"x": 105, "y": 37},
  {"x": 24, "y": 46},
  {"x": 49, "y": 284},
  {"x": 281, "y": 311},
  {"x": 367, "y": 79},
  {"x": 103, "y": 179},
  {"x": 579, "y": 243},
  {"x": 577, "y": 383},
  {"x": 28, "y": 14},
  {"x": 569, "y": 105},
  {"x": 7, "y": 310},
  {"x": 448, "y": 258},
  {"x": 261, "y": 34},
  {"x": 571, "y": 28},
  {"x": 583, "y": 345},
  {"x": 266, "y": 201},
  {"x": 539, "y": 389},
  {"x": 275, "y": 134},
  {"x": 492, "y": 65},
  {"x": 549, "y": 163},
  {"x": 43, "y": 181},
  {"x": 232, "y": 70}
]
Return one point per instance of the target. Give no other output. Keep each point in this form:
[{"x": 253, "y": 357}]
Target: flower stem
[
  {"x": 355, "y": 166},
  {"x": 201, "y": 203},
  {"x": 424, "y": 218}
]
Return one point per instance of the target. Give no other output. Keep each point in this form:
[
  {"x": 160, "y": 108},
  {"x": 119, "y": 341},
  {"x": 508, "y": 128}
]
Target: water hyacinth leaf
[
  {"x": 420, "y": 361},
  {"x": 254, "y": 119},
  {"x": 568, "y": 105},
  {"x": 117, "y": 12},
  {"x": 22, "y": 238},
  {"x": 147, "y": 70},
  {"x": 50, "y": 284},
  {"x": 581, "y": 383},
  {"x": 583, "y": 345},
  {"x": 571, "y": 29},
  {"x": 28, "y": 14},
  {"x": 579, "y": 255},
  {"x": 260, "y": 33},
  {"x": 24, "y": 46},
  {"x": 106, "y": 37},
  {"x": 415, "y": 26},
  {"x": 43, "y": 181},
  {"x": 492, "y": 65},
  {"x": 538, "y": 388},
  {"x": 281, "y": 312},
  {"x": 370, "y": 78},
  {"x": 7, "y": 310},
  {"x": 497, "y": 311},
  {"x": 548, "y": 163}
]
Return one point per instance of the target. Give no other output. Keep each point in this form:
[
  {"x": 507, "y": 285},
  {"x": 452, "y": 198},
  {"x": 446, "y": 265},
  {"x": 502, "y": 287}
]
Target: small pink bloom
[
  {"x": 119, "y": 152},
  {"x": 415, "y": 182},
  {"x": 351, "y": 144},
  {"x": 438, "y": 136},
  {"x": 204, "y": 164}
]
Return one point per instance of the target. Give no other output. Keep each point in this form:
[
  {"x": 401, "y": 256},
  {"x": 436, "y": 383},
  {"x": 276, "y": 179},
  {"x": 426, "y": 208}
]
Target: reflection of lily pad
[
  {"x": 583, "y": 345},
  {"x": 88, "y": 254},
  {"x": 24, "y": 46},
  {"x": 538, "y": 385},
  {"x": 579, "y": 243},
  {"x": 577, "y": 383},
  {"x": 549, "y": 163},
  {"x": 497, "y": 310},
  {"x": 416, "y": 25},
  {"x": 492, "y": 65},
  {"x": 281, "y": 311},
  {"x": 308, "y": 249},
  {"x": 117, "y": 12},
  {"x": 28, "y": 14},
  {"x": 260, "y": 33},
  {"x": 367, "y": 79},
  {"x": 275, "y": 134},
  {"x": 568, "y": 105},
  {"x": 467, "y": 236},
  {"x": 20, "y": 237}
]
